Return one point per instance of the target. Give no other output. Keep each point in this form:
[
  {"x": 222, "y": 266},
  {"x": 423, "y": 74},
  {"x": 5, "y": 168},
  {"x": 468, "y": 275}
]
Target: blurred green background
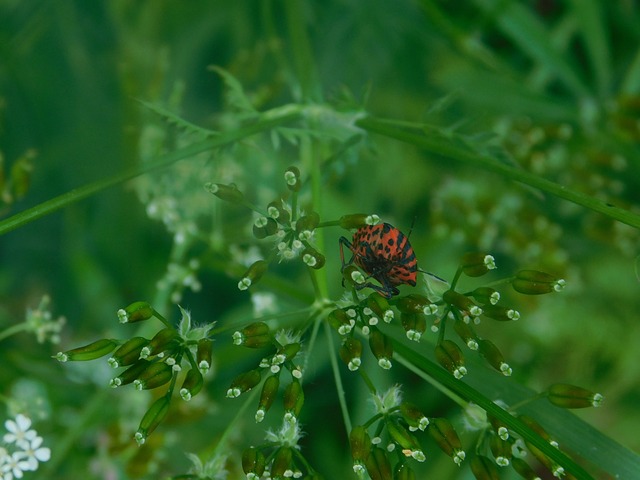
[{"x": 552, "y": 85}]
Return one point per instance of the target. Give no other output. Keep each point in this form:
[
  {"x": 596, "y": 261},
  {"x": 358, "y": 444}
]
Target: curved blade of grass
[
  {"x": 269, "y": 120},
  {"x": 453, "y": 148}
]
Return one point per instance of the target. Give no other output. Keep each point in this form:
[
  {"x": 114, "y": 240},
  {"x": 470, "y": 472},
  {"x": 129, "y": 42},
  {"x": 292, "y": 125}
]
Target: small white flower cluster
[
  {"x": 41, "y": 322},
  {"x": 22, "y": 450}
]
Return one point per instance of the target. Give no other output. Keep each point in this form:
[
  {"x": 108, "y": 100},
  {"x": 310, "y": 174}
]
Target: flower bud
[
  {"x": 264, "y": 227},
  {"x": 282, "y": 461},
  {"x": 466, "y": 333},
  {"x": 523, "y": 469},
  {"x": 533, "y": 282},
  {"x": 462, "y": 302},
  {"x": 228, "y": 193},
  {"x": 360, "y": 443},
  {"x": 483, "y": 468},
  {"x": 94, "y": 350},
  {"x": 293, "y": 398},
  {"x": 243, "y": 383},
  {"x": 292, "y": 177},
  {"x": 276, "y": 211},
  {"x": 413, "y": 416},
  {"x": 307, "y": 222},
  {"x": 414, "y": 325},
  {"x": 136, "y": 312},
  {"x": 267, "y": 395},
  {"x": 410, "y": 446},
  {"x": 486, "y": 295},
  {"x": 569, "y": 396},
  {"x": 381, "y": 347},
  {"x": 161, "y": 342},
  {"x": 254, "y": 335},
  {"x": 500, "y": 313},
  {"x": 403, "y": 472},
  {"x": 501, "y": 450},
  {"x": 493, "y": 356},
  {"x": 192, "y": 384},
  {"x": 378, "y": 464},
  {"x": 447, "y": 439},
  {"x": 253, "y": 274},
  {"x": 154, "y": 376},
  {"x": 130, "y": 374},
  {"x": 313, "y": 258},
  {"x": 449, "y": 355},
  {"x": 340, "y": 321},
  {"x": 477, "y": 264},
  {"x": 253, "y": 462},
  {"x": 204, "y": 354},
  {"x": 128, "y": 353},
  {"x": 357, "y": 220},
  {"x": 152, "y": 418},
  {"x": 351, "y": 353}
]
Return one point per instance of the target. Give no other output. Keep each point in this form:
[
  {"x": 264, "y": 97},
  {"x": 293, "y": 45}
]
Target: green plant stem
[
  {"x": 470, "y": 394},
  {"x": 337, "y": 378},
  {"x": 14, "y": 329},
  {"x": 448, "y": 148},
  {"x": 269, "y": 120}
]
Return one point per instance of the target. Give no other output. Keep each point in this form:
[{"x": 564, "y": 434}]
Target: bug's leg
[
  {"x": 385, "y": 291},
  {"x": 343, "y": 241}
]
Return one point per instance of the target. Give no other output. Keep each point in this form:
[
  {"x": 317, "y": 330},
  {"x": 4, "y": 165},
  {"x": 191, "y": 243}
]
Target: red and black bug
[{"x": 385, "y": 254}]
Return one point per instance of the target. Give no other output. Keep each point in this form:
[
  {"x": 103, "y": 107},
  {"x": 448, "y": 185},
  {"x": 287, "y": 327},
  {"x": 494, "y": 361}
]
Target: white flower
[
  {"x": 35, "y": 453},
  {"x": 19, "y": 432},
  {"x": 14, "y": 466}
]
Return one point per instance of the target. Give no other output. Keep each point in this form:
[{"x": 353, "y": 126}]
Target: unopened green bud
[
  {"x": 130, "y": 374},
  {"x": 381, "y": 347},
  {"x": 449, "y": 355},
  {"x": 378, "y": 464},
  {"x": 307, "y": 222},
  {"x": 413, "y": 416},
  {"x": 94, "y": 350},
  {"x": 357, "y": 220},
  {"x": 267, "y": 395},
  {"x": 154, "y": 376},
  {"x": 253, "y": 274},
  {"x": 403, "y": 472},
  {"x": 414, "y": 324},
  {"x": 253, "y": 462},
  {"x": 447, "y": 439},
  {"x": 128, "y": 353},
  {"x": 264, "y": 227},
  {"x": 570, "y": 396},
  {"x": 243, "y": 383},
  {"x": 313, "y": 258},
  {"x": 152, "y": 418},
  {"x": 462, "y": 302},
  {"x": 228, "y": 193},
  {"x": 523, "y": 469},
  {"x": 483, "y": 468},
  {"x": 500, "y": 313},
  {"x": 136, "y": 312},
  {"x": 466, "y": 333},
  {"x": 533, "y": 282},
  {"x": 293, "y": 398},
  {"x": 162, "y": 341},
  {"x": 254, "y": 335},
  {"x": 292, "y": 177},
  {"x": 493, "y": 356},
  {"x": 351, "y": 353},
  {"x": 204, "y": 354},
  {"x": 282, "y": 461},
  {"x": 409, "y": 444},
  {"x": 360, "y": 443},
  {"x": 192, "y": 384},
  {"x": 501, "y": 450},
  {"x": 477, "y": 264},
  {"x": 340, "y": 321},
  {"x": 486, "y": 295}
]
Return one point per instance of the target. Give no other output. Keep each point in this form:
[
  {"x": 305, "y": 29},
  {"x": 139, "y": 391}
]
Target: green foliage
[{"x": 232, "y": 147}]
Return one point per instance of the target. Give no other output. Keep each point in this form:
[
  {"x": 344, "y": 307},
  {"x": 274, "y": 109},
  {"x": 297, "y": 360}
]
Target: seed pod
[
  {"x": 500, "y": 313},
  {"x": 264, "y": 227},
  {"x": 161, "y": 342},
  {"x": 449, "y": 355},
  {"x": 154, "y": 376},
  {"x": 447, "y": 439},
  {"x": 288, "y": 352},
  {"x": 276, "y": 211},
  {"x": 413, "y": 303},
  {"x": 228, "y": 193},
  {"x": 244, "y": 382},
  {"x": 253, "y": 461},
  {"x": 466, "y": 333},
  {"x": 94, "y": 350},
  {"x": 380, "y": 306},
  {"x": 292, "y": 177},
  {"x": 192, "y": 384},
  {"x": 313, "y": 258},
  {"x": 378, "y": 465},
  {"x": 254, "y": 335},
  {"x": 360, "y": 443},
  {"x": 483, "y": 468},
  {"x": 128, "y": 353},
  {"x": 152, "y": 418},
  {"x": 486, "y": 295},
  {"x": 340, "y": 321},
  {"x": 501, "y": 450},
  {"x": 414, "y": 324},
  {"x": 352, "y": 276},
  {"x": 492, "y": 355},
  {"x": 136, "y": 312},
  {"x": 204, "y": 354},
  {"x": 534, "y": 282},
  {"x": 282, "y": 461},
  {"x": 130, "y": 374},
  {"x": 462, "y": 302},
  {"x": 570, "y": 396},
  {"x": 307, "y": 222},
  {"x": 293, "y": 398},
  {"x": 253, "y": 274},
  {"x": 413, "y": 416},
  {"x": 403, "y": 472},
  {"x": 351, "y": 353},
  {"x": 402, "y": 436},
  {"x": 268, "y": 393},
  {"x": 357, "y": 220},
  {"x": 523, "y": 469},
  {"x": 381, "y": 347},
  {"x": 477, "y": 264}
]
